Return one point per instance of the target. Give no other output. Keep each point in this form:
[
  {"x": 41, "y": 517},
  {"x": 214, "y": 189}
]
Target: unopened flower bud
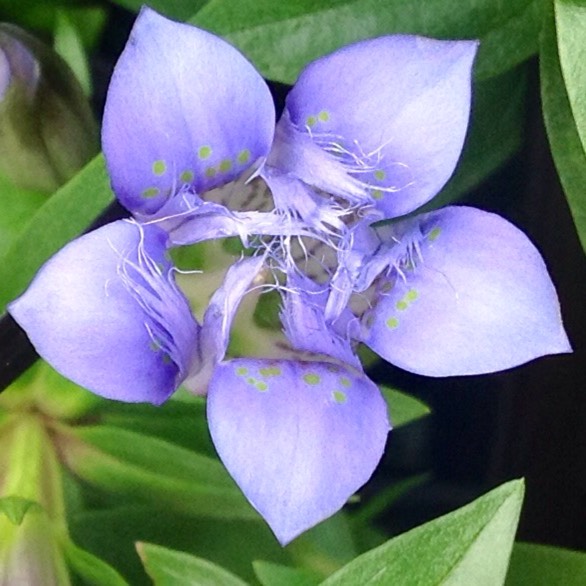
[{"x": 47, "y": 131}]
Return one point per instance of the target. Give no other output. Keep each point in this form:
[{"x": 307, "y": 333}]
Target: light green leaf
[
  {"x": 16, "y": 507},
  {"x": 281, "y": 38},
  {"x": 68, "y": 44},
  {"x": 568, "y": 153},
  {"x": 570, "y": 18},
  {"x": 403, "y": 408},
  {"x": 270, "y": 574},
  {"x": 65, "y": 215},
  {"x": 541, "y": 565},
  {"x": 147, "y": 469},
  {"x": 91, "y": 569},
  {"x": 173, "y": 568},
  {"x": 469, "y": 546}
]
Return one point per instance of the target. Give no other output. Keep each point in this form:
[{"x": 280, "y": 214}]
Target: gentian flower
[{"x": 369, "y": 133}]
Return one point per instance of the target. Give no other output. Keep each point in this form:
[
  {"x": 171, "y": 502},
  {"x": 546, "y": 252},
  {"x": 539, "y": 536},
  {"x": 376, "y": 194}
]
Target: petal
[
  {"x": 183, "y": 108},
  {"x": 106, "y": 314},
  {"x": 224, "y": 304},
  {"x": 393, "y": 110},
  {"x": 304, "y": 321},
  {"x": 478, "y": 300},
  {"x": 299, "y": 438}
]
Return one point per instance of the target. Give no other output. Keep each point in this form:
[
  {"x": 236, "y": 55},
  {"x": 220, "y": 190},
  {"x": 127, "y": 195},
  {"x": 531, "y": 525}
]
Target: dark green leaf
[
  {"x": 174, "y": 568},
  {"x": 231, "y": 543},
  {"x": 177, "y": 9},
  {"x": 541, "y": 565},
  {"x": 144, "y": 468},
  {"x": 63, "y": 217},
  {"x": 91, "y": 569},
  {"x": 571, "y": 32},
  {"x": 16, "y": 507},
  {"x": 270, "y": 574},
  {"x": 568, "y": 153},
  {"x": 403, "y": 408},
  {"x": 282, "y": 37},
  {"x": 469, "y": 546},
  {"x": 495, "y": 133}
]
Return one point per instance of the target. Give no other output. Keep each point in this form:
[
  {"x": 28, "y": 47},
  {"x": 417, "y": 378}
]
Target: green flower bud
[{"x": 47, "y": 131}]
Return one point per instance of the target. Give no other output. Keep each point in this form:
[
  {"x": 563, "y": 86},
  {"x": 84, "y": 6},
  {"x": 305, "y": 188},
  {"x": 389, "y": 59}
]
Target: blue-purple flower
[{"x": 369, "y": 133}]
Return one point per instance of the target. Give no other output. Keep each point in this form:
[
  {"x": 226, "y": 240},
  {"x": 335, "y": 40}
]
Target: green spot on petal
[
  {"x": 261, "y": 386},
  {"x": 345, "y": 382},
  {"x": 392, "y": 323},
  {"x": 311, "y": 121},
  {"x": 243, "y": 156},
  {"x": 312, "y": 379},
  {"x": 242, "y": 371},
  {"x": 411, "y": 295},
  {"x": 225, "y": 165},
  {"x": 434, "y": 234},
  {"x": 151, "y": 192},
  {"x": 159, "y": 168},
  {"x": 187, "y": 176},
  {"x": 270, "y": 371},
  {"x": 380, "y": 174},
  {"x": 401, "y": 305},
  {"x": 377, "y": 194},
  {"x": 210, "y": 172},
  {"x": 324, "y": 115},
  {"x": 166, "y": 359},
  {"x": 339, "y": 397},
  {"x": 154, "y": 346},
  {"x": 204, "y": 152}
]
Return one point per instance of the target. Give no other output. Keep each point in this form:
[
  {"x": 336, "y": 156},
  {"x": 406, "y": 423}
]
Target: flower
[{"x": 369, "y": 133}]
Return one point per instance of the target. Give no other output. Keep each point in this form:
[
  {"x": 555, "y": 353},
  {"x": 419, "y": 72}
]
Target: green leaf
[
  {"x": 233, "y": 544},
  {"x": 383, "y": 499},
  {"x": 570, "y": 18},
  {"x": 91, "y": 569},
  {"x": 16, "y": 507},
  {"x": 403, "y": 408},
  {"x": 281, "y": 38},
  {"x": 177, "y": 9},
  {"x": 568, "y": 153},
  {"x": 17, "y": 206},
  {"x": 65, "y": 215},
  {"x": 148, "y": 469},
  {"x": 543, "y": 565},
  {"x": 469, "y": 546},
  {"x": 270, "y": 574},
  {"x": 173, "y": 568},
  {"x": 69, "y": 45}
]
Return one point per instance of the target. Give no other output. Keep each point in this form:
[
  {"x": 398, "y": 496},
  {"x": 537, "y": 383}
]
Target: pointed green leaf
[
  {"x": 174, "y": 568},
  {"x": 403, "y": 408},
  {"x": 469, "y": 546},
  {"x": 148, "y": 469},
  {"x": 543, "y": 565},
  {"x": 270, "y": 574},
  {"x": 16, "y": 507},
  {"x": 567, "y": 149},
  {"x": 64, "y": 216},
  {"x": 281, "y": 38},
  {"x": 91, "y": 569},
  {"x": 570, "y": 18}
]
